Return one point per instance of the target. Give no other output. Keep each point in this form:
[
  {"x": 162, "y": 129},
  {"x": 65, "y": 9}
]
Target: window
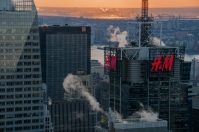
[
  {"x": 19, "y": 64},
  {"x": 35, "y": 101},
  {"x": 35, "y": 82},
  {"x": 35, "y": 37},
  {"x": 27, "y": 101},
  {"x": 19, "y": 76},
  {"x": 27, "y": 44},
  {"x": 10, "y": 109},
  {"x": 10, "y": 90},
  {"x": 10, "y": 103},
  {"x": 18, "y": 90},
  {"x": 9, "y": 122},
  {"x": 27, "y": 70},
  {"x": 19, "y": 83},
  {"x": 18, "y": 115},
  {"x": 35, "y": 108},
  {"x": 27, "y": 50},
  {"x": 35, "y": 56},
  {"x": 26, "y": 127},
  {"x": 36, "y": 89},
  {"x": 18, "y": 122},
  {"x": 35, "y": 50},
  {"x": 36, "y": 63},
  {"x": 2, "y": 90},
  {"x": 27, "y": 95},
  {"x": 18, "y": 96},
  {"x": 27, "y": 63},
  {"x": 18, "y": 102},
  {"x": 2, "y": 109},
  {"x": 27, "y": 108},
  {"x": 27, "y": 89},
  {"x": 19, "y": 69},
  {"x": 35, "y": 76},
  {"x": 35, "y": 120},
  {"x": 36, "y": 95},
  {"x": 1, "y": 123},
  {"x": 27, "y": 76},
  {"x": 35, "y": 44},
  {"x": 27, "y": 56},
  {"x": 2, "y": 103},
  {"x": 27, "y": 83},
  {"x": 35, "y": 69}
]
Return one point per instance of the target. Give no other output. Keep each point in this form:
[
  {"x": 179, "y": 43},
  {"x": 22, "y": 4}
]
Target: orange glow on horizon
[{"x": 116, "y": 3}]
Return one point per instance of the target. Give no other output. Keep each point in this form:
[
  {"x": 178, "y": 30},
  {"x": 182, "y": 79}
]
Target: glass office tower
[
  {"x": 21, "y": 107},
  {"x": 64, "y": 50}
]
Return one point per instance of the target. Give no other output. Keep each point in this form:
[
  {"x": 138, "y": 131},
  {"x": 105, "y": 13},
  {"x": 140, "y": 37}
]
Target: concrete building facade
[{"x": 21, "y": 98}]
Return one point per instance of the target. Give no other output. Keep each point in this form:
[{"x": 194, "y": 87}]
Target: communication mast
[{"x": 145, "y": 25}]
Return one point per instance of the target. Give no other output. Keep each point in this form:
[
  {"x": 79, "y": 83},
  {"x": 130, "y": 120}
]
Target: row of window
[
  {"x": 18, "y": 37},
  {"x": 10, "y": 44},
  {"x": 20, "y": 116},
  {"x": 19, "y": 109},
  {"x": 18, "y": 31},
  {"x": 11, "y": 57},
  {"x": 19, "y": 128},
  {"x": 20, "y": 76},
  {"x": 27, "y": 89},
  {"x": 14, "y": 64},
  {"x": 21, "y": 83},
  {"x": 20, "y": 96}
]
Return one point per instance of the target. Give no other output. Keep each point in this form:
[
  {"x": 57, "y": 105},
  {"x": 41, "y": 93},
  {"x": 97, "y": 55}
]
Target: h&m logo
[{"x": 157, "y": 65}]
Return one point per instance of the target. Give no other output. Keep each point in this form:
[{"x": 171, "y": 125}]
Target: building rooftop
[{"x": 137, "y": 123}]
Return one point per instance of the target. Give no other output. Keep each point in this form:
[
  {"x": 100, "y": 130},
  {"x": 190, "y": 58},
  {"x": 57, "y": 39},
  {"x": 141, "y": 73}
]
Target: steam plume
[
  {"x": 49, "y": 101},
  {"x": 156, "y": 41},
  {"x": 146, "y": 115},
  {"x": 74, "y": 83},
  {"x": 117, "y": 36}
]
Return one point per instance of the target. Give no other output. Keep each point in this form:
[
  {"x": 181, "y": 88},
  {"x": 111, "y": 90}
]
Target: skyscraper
[
  {"x": 152, "y": 76},
  {"x": 195, "y": 108},
  {"x": 21, "y": 107},
  {"x": 64, "y": 50},
  {"x": 99, "y": 36}
]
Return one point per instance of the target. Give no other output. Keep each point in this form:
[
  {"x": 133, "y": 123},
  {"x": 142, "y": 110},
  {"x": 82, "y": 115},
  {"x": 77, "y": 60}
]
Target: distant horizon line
[{"x": 121, "y": 7}]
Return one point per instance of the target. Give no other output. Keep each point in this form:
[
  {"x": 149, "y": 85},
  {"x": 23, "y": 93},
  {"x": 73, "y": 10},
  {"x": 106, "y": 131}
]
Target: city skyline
[{"x": 117, "y": 3}]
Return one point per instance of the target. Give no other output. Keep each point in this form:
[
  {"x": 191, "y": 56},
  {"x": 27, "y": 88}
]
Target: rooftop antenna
[{"x": 144, "y": 25}]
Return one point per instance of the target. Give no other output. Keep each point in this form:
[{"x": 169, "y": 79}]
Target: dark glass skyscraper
[
  {"x": 64, "y": 50},
  {"x": 149, "y": 76}
]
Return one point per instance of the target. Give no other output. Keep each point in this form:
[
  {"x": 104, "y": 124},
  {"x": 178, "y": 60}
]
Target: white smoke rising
[
  {"x": 49, "y": 101},
  {"x": 118, "y": 116},
  {"x": 156, "y": 41},
  {"x": 74, "y": 83},
  {"x": 146, "y": 115},
  {"x": 117, "y": 36}
]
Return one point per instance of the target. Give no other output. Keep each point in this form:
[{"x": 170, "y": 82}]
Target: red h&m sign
[
  {"x": 167, "y": 65},
  {"x": 110, "y": 62},
  {"x": 83, "y": 29}
]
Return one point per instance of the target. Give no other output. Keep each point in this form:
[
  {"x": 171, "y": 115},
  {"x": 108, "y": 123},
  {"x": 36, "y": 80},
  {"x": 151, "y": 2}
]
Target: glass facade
[
  {"x": 64, "y": 50},
  {"x": 21, "y": 107},
  {"x": 165, "y": 92}
]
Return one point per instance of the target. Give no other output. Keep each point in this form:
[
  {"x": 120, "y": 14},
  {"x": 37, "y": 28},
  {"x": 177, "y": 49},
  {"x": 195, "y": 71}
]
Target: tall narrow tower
[{"x": 145, "y": 26}]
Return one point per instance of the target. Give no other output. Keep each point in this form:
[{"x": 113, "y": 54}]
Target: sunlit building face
[{"x": 21, "y": 107}]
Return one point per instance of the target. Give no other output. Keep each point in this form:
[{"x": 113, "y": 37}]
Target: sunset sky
[{"x": 115, "y": 3}]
